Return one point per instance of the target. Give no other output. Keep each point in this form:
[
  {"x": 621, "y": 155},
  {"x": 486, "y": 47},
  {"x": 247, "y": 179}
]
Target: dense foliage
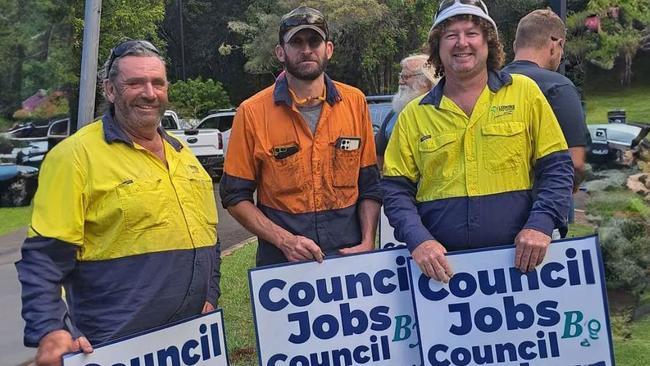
[
  {"x": 195, "y": 97},
  {"x": 232, "y": 40}
]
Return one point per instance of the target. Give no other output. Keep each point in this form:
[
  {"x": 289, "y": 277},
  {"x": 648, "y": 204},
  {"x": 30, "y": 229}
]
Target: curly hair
[{"x": 496, "y": 56}]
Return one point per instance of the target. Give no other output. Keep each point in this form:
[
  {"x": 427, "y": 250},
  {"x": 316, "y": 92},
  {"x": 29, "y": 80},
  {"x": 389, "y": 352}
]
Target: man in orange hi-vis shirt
[{"x": 306, "y": 145}]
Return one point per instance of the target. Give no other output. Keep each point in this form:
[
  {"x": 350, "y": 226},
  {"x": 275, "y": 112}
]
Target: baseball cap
[
  {"x": 300, "y": 18},
  {"x": 451, "y": 8}
]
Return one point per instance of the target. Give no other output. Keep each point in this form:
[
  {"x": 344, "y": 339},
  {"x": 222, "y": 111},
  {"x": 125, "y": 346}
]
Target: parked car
[
  {"x": 30, "y": 131},
  {"x": 609, "y": 141},
  {"x": 17, "y": 184},
  {"x": 221, "y": 120},
  {"x": 33, "y": 141},
  {"x": 379, "y": 106},
  {"x": 206, "y": 144}
]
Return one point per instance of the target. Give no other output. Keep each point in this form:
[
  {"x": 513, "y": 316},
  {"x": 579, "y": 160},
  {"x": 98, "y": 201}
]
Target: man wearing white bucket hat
[{"x": 480, "y": 160}]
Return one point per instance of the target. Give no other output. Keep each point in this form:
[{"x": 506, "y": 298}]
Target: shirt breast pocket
[
  {"x": 440, "y": 157},
  {"x": 345, "y": 168},
  {"x": 204, "y": 194},
  {"x": 504, "y": 146},
  {"x": 143, "y": 204},
  {"x": 287, "y": 175}
]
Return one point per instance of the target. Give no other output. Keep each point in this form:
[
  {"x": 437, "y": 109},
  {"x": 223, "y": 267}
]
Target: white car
[
  {"x": 206, "y": 144},
  {"x": 221, "y": 120}
]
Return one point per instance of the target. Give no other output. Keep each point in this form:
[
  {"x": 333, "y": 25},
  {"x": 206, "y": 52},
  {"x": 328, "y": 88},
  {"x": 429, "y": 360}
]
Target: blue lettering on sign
[
  {"x": 489, "y": 319},
  {"x": 545, "y": 346},
  {"x": 550, "y": 275},
  {"x": 209, "y": 345},
  {"x": 327, "y": 326},
  {"x": 273, "y": 295},
  {"x": 377, "y": 350}
]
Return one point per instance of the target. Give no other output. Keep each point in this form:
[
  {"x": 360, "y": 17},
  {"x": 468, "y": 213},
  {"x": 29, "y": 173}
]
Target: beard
[
  {"x": 139, "y": 119},
  {"x": 404, "y": 95},
  {"x": 306, "y": 72}
]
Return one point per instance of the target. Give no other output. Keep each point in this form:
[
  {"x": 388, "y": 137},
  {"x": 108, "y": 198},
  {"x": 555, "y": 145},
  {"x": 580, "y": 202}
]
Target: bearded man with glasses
[
  {"x": 306, "y": 145},
  {"x": 124, "y": 219},
  {"x": 416, "y": 78},
  {"x": 478, "y": 161}
]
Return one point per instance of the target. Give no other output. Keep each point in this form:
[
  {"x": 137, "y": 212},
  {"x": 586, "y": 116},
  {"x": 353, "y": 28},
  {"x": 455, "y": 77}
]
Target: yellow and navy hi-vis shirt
[
  {"x": 131, "y": 238},
  {"x": 309, "y": 184},
  {"x": 474, "y": 181}
]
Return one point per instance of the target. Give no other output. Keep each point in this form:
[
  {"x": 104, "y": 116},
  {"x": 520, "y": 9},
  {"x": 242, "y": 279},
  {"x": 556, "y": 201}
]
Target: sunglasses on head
[
  {"x": 445, "y": 4},
  {"x": 126, "y": 47},
  {"x": 303, "y": 19}
]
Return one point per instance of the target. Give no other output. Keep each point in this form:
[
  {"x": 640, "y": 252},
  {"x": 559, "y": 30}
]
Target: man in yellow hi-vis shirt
[
  {"x": 480, "y": 160},
  {"x": 124, "y": 219}
]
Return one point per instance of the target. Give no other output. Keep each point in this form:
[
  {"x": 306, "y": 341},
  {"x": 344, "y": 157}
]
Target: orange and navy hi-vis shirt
[{"x": 309, "y": 184}]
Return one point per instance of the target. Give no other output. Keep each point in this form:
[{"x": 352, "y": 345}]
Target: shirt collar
[
  {"x": 496, "y": 80},
  {"x": 281, "y": 91},
  {"x": 524, "y": 63},
  {"x": 114, "y": 132}
]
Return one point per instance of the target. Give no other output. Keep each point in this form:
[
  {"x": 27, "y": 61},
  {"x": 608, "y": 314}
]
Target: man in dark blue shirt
[{"x": 539, "y": 46}]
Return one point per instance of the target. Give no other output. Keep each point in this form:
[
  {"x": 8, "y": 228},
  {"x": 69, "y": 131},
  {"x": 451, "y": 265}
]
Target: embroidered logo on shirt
[
  {"x": 194, "y": 169},
  {"x": 502, "y": 110},
  {"x": 424, "y": 138}
]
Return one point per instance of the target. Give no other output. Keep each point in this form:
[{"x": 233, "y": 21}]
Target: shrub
[
  {"x": 195, "y": 97},
  {"x": 624, "y": 242}
]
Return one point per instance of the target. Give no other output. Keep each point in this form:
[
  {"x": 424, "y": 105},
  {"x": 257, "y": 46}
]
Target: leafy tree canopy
[{"x": 195, "y": 97}]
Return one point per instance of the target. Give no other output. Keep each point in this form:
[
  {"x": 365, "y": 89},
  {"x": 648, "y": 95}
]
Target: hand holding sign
[
  {"x": 298, "y": 248},
  {"x": 55, "y": 344},
  {"x": 531, "y": 249},
  {"x": 430, "y": 257}
]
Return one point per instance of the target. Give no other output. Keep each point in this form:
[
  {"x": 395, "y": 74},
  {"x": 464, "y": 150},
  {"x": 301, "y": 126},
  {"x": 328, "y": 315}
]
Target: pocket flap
[
  {"x": 435, "y": 143},
  {"x": 503, "y": 129}
]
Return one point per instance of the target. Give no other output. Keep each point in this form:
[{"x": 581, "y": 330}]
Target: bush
[
  {"x": 624, "y": 242},
  {"x": 195, "y": 97}
]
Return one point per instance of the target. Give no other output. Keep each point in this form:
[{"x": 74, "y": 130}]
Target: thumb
[{"x": 83, "y": 344}]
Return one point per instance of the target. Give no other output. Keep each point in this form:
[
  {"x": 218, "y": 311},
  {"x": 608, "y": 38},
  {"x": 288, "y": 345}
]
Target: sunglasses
[
  {"x": 126, "y": 48},
  {"x": 445, "y": 4},
  {"x": 303, "y": 19}
]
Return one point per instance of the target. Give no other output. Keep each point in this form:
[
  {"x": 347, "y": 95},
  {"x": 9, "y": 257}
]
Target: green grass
[
  {"x": 235, "y": 300},
  {"x": 633, "y": 348},
  {"x": 608, "y": 203},
  {"x": 13, "y": 218},
  {"x": 634, "y": 100},
  {"x": 577, "y": 230}
]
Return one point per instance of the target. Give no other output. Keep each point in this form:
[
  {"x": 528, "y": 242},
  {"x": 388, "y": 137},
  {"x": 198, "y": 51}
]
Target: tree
[
  {"x": 41, "y": 41},
  {"x": 196, "y": 97},
  {"x": 370, "y": 37},
  {"x": 624, "y": 28}
]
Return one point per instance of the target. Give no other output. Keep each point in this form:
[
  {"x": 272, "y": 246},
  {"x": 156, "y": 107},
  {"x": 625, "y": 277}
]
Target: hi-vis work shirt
[
  {"x": 476, "y": 181},
  {"x": 309, "y": 184},
  {"x": 130, "y": 238}
]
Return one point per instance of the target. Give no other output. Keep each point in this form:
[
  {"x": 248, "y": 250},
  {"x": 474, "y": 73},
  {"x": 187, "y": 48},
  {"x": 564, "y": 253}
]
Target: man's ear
[
  {"x": 279, "y": 53},
  {"x": 329, "y": 49},
  {"x": 109, "y": 90}
]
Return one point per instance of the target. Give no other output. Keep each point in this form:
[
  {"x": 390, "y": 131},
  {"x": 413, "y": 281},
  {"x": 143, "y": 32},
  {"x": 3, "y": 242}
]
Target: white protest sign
[
  {"x": 196, "y": 341},
  {"x": 387, "y": 233},
  {"x": 492, "y": 314},
  {"x": 350, "y": 310}
]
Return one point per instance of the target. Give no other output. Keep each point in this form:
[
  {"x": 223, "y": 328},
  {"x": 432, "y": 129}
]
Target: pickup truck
[
  {"x": 206, "y": 144},
  {"x": 220, "y": 119}
]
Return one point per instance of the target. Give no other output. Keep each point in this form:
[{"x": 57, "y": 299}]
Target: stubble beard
[{"x": 306, "y": 73}]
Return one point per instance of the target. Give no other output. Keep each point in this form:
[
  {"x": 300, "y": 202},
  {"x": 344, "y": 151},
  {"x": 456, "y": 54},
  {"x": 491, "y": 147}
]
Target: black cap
[{"x": 300, "y": 18}]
